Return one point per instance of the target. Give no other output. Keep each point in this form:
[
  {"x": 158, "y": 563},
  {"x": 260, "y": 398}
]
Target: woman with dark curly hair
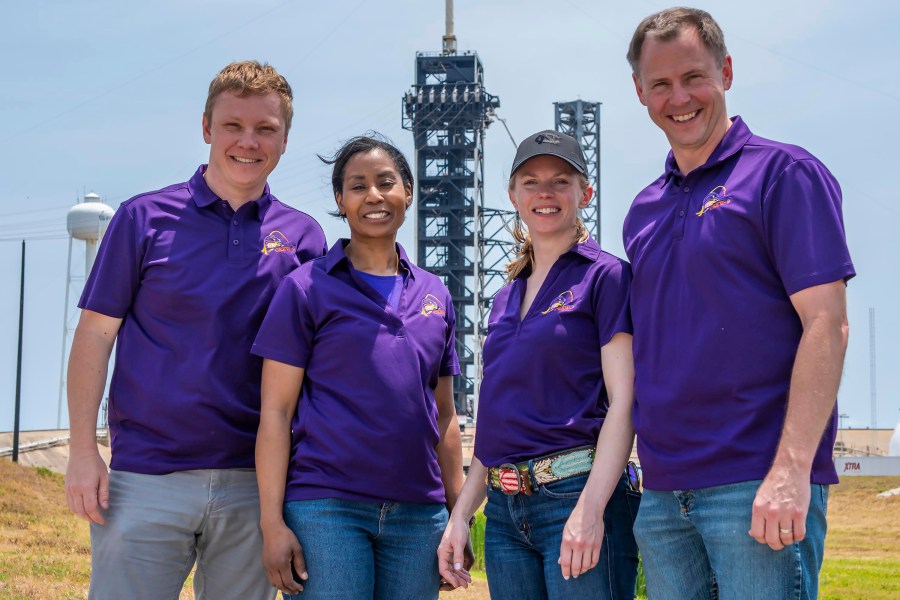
[{"x": 358, "y": 454}]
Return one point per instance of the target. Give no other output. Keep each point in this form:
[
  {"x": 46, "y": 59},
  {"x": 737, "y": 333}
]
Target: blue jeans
[
  {"x": 523, "y": 535},
  {"x": 695, "y": 545},
  {"x": 368, "y": 550}
]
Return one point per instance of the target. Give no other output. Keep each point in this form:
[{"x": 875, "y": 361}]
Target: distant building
[{"x": 862, "y": 442}]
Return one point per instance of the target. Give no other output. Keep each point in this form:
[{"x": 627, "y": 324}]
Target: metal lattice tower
[
  {"x": 496, "y": 250},
  {"x": 581, "y": 120},
  {"x": 447, "y": 110}
]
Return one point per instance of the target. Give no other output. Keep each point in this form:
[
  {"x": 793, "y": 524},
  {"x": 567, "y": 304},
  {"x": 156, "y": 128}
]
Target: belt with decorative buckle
[{"x": 516, "y": 479}]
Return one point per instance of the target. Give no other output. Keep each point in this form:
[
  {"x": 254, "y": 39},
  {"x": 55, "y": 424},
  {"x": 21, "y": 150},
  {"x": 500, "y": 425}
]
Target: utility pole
[
  {"x": 872, "y": 373},
  {"x": 15, "y": 454}
]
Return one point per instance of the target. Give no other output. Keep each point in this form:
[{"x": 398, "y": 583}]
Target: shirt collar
[
  {"x": 336, "y": 256},
  {"x": 203, "y": 196},
  {"x": 588, "y": 249},
  {"x": 731, "y": 143}
]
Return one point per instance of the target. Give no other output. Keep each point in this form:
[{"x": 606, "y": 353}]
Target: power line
[
  {"x": 319, "y": 44},
  {"x": 792, "y": 58},
  {"x": 128, "y": 82},
  {"x": 819, "y": 69},
  {"x": 34, "y": 210},
  {"x": 29, "y": 238}
]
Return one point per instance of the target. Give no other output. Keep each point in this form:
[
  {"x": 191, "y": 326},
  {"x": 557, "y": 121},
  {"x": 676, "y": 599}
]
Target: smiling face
[
  {"x": 683, "y": 89},
  {"x": 547, "y": 193},
  {"x": 374, "y": 197},
  {"x": 247, "y": 136}
]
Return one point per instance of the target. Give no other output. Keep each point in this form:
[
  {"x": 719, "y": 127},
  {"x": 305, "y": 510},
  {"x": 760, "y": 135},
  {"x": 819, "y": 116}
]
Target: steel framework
[
  {"x": 447, "y": 111},
  {"x": 581, "y": 120}
]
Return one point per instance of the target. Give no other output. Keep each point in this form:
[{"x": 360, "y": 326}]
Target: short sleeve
[
  {"x": 115, "y": 277},
  {"x": 312, "y": 244},
  {"x": 449, "y": 360},
  {"x": 612, "y": 302},
  {"x": 287, "y": 332},
  {"x": 804, "y": 227}
]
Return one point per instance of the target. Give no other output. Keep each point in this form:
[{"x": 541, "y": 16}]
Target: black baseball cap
[{"x": 553, "y": 143}]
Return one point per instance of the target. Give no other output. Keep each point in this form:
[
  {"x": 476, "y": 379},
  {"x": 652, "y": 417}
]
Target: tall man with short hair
[
  {"x": 182, "y": 282},
  {"x": 738, "y": 300}
]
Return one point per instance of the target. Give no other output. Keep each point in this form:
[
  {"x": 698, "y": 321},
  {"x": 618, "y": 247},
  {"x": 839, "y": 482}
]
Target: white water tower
[{"x": 86, "y": 221}]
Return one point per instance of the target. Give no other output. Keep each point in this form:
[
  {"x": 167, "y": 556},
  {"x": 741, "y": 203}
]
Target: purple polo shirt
[
  {"x": 191, "y": 279},
  {"x": 716, "y": 255},
  {"x": 543, "y": 389},
  {"x": 366, "y": 422}
]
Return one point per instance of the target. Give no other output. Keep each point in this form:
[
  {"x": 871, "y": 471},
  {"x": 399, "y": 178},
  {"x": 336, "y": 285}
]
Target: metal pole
[
  {"x": 872, "y": 369},
  {"x": 62, "y": 358},
  {"x": 479, "y": 294},
  {"x": 15, "y": 455},
  {"x": 449, "y": 36},
  {"x": 598, "y": 198},
  {"x": 448, "y": 17}
]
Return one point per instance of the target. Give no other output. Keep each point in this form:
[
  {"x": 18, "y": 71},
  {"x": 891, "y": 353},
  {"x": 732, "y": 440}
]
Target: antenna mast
[
  {"x": 449, "y": 36},
  {"x": 872, "y": 363}
]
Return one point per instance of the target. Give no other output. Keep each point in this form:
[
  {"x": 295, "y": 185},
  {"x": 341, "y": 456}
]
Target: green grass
[
  {"x": 860, "y": 579},
  {"x": 477, "y": 534}
]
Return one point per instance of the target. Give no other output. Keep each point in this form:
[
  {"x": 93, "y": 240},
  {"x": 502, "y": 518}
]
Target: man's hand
[
  {"x": 455, "y": 555},
  {"x": 87, "y": 478},
  {"x": 782, "y": 501},
  {"x": 582, "y": 541},
  {"x": 87, "y": 486},
  {"x": 281, "y": 550},
  {"x": 780, "y": 507}
]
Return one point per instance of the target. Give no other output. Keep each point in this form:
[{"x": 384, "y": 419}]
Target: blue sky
[{"x": 107, "y": 96}]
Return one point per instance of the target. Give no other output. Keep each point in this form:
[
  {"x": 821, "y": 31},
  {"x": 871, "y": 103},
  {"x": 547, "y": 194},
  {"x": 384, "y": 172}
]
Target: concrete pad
[{"x": 52, "y": 451}]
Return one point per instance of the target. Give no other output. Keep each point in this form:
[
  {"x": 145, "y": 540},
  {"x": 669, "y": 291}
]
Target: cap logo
[
  {"x": 432, "y": 306},
  {"x": 547, "y": 138},
  {"x": 716, "y": 198},
  {"x": 277, "y": 242},
  {"x": 563, "y": 302}
]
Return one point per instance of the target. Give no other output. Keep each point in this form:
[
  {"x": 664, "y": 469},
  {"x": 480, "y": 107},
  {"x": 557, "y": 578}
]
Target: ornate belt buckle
[{"x": 510, "y": 479}]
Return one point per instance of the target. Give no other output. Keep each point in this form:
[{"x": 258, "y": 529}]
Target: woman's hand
[
  {"x": 583, "y": 533},
  {"x": 582, "y": 540},
  {"x": 281, "y": 551},
  {"x": 455, "y": 555}
]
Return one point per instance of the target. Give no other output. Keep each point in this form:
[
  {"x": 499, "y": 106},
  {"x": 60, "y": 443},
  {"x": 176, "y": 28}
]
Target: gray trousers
[{"x": 158, "y": 526}]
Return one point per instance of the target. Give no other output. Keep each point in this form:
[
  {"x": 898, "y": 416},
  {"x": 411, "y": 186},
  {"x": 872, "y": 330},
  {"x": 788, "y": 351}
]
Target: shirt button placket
[
  {"x": 681, "y": 196},
  {"x": 235, "y": 251},
  {"x": 683, "y": 211}
]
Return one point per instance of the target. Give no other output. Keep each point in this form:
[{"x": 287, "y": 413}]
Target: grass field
[{"x": 45, "y": 551}]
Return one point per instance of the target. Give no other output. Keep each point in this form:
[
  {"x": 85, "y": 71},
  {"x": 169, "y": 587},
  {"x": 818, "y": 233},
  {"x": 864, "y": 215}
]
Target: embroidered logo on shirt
[
  {"x": 432, "y": 306},
  {"x": 565, "y": 301},
  {"x": 277, "y": 242},
  {"x": 714, "y": 199}
]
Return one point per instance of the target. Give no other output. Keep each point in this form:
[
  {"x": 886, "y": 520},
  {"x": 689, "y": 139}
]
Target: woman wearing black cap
[{"x": 554, "y": 419}]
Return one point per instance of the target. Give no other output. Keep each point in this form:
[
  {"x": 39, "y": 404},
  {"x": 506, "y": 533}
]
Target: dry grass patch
[
  {"x": 44, "y": 550},
  {"x": 477, "y": 590},
  {"x": 860, "y": 524}
]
